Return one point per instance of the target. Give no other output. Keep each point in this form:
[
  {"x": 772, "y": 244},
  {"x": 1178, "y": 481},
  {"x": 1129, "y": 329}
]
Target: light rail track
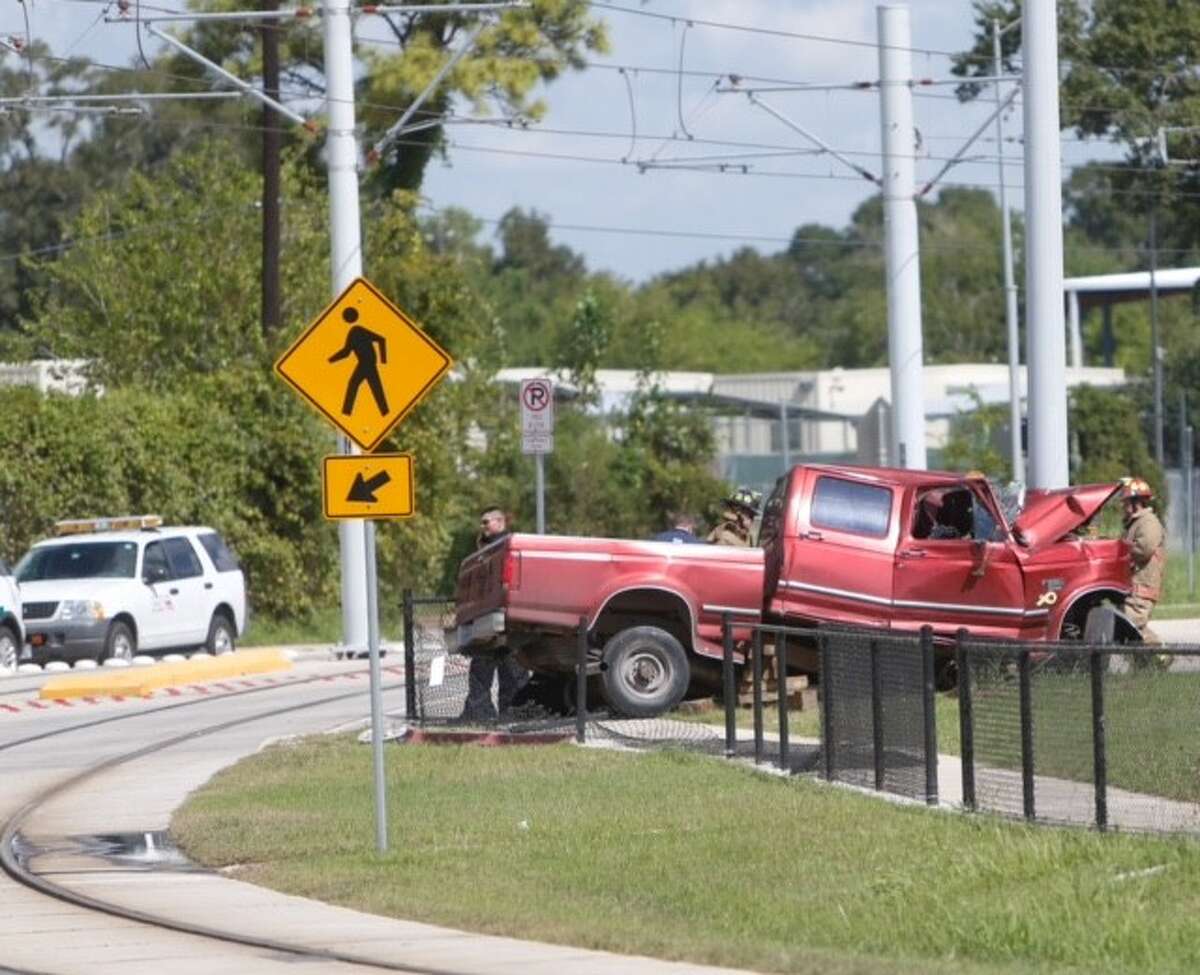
[{"x": 14, "y": 866}]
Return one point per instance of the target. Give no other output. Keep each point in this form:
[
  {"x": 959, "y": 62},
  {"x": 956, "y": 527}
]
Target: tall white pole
[
  {"x": 903, "y": 260},
  {"x": 341, "y": 148},
  {"x": 360, "y": 610},
  {"x": 1075, "y": 329},
  {"x": 1010, "y": 284},
  {"x": 1044, "y": 328}
]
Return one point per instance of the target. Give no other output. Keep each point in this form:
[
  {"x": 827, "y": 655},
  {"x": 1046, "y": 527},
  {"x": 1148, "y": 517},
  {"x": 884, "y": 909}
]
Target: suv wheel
[
  {"x": 9, "y": 649},
  {"x": 221, "y": 635},
  {"x": 120, "y": 643}
]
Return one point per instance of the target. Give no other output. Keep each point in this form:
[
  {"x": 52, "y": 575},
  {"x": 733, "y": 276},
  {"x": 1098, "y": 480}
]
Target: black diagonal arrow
[{"x": 364, "y": 491}]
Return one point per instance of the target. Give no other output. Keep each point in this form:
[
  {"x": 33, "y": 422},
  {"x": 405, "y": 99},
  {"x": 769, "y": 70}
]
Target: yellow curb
[{"x": 144, "y": 681}]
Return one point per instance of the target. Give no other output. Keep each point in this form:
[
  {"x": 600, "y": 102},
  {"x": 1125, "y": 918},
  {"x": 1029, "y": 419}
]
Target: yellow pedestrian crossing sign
[
  {"x": 368, "y": 486},
  {"x": 363, "y": 364}
]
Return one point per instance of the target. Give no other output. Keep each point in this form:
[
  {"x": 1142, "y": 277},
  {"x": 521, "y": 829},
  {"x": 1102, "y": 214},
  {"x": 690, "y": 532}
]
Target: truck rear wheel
[{"x": 646, "y": 672}]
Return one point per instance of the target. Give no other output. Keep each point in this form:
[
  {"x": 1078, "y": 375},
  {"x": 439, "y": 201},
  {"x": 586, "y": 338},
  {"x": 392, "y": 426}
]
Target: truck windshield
[{"x": 78, "y": 560}]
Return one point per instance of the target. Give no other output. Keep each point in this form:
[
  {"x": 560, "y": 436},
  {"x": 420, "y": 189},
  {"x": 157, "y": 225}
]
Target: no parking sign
[{"x": 537, "y": 416}]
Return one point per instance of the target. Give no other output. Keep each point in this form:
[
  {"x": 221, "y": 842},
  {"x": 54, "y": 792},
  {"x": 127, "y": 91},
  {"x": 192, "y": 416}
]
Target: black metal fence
[
  {"x": 438, "y": 683},
  {"x": 1083, "y": 733}
]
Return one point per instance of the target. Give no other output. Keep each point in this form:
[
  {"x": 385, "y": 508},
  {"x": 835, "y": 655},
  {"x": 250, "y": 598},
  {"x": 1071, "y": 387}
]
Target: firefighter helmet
[
  {"x": 746, "y": 500},
  {"x": 1135, "y": 488}
]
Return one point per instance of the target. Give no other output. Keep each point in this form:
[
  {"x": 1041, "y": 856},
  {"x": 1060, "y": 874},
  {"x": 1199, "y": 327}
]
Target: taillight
[{"x": 510, "y": 575}]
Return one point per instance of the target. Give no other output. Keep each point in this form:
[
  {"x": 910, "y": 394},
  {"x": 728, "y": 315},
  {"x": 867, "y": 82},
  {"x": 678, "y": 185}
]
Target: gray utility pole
[
  {"x": 1044, "y": 321},
  {"x": 360, "y": 612},
  {"x": 903, "y": 258},
  {"x": 1017, "y": 455},
  {"x": 341, "y": 149}
]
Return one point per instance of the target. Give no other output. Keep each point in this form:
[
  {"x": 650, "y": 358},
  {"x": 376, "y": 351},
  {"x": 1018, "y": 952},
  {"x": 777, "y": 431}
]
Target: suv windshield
[{"x": 79, "y": 560}]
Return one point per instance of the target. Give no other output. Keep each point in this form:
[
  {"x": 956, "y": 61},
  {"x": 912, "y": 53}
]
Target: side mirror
[{"x": 153, "y": 574}]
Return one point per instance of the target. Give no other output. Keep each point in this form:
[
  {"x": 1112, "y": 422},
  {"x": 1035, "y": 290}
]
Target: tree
[{"x": 515, "y": 52}]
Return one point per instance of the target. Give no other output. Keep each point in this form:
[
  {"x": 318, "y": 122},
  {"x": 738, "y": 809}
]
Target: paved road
[{"x": 47, "y": 936}]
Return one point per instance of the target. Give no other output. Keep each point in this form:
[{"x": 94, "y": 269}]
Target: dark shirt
[
  {"x": 680, "y": 536},
  {"x": 482, "y": 541}
]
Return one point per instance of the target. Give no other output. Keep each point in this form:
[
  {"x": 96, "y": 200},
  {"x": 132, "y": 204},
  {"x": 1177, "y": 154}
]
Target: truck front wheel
[{"x": 646, "y": 672}]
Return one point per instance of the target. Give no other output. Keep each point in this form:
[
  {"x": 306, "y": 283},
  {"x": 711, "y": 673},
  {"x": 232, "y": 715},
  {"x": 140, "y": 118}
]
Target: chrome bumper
[{"x": 478, "y": 632}]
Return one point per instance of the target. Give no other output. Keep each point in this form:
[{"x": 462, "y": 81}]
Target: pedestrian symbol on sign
[{"x": 362, "y": 342}]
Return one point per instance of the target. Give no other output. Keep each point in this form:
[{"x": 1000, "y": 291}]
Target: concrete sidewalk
[{"x": 140, "y": 796}]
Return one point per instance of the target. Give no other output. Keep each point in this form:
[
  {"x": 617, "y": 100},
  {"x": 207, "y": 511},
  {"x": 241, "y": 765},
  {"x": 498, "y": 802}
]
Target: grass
[
  {"x": 678, "y": 856},
  {"x": 1149, "y": 730},
  {"x": 1176, "y": 594},
  {"x": 322, "y": 626},
  {"x": 1149, "y": 719}
]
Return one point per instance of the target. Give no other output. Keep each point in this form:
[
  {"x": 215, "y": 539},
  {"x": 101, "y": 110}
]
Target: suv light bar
[{"x": 79, "y": 526}]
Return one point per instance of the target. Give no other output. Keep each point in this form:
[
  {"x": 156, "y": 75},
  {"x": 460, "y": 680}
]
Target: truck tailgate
[{"x": 480, "y": 588}]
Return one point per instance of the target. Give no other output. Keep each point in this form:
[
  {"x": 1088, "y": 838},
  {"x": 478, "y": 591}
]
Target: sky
[{"x": 603, "y": 165}]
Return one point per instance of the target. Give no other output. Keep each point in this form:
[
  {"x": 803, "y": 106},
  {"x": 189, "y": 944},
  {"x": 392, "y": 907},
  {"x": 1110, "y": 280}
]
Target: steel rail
[
  {"x": 17, "y": 871},
  {"x": 175, "y": 705}
]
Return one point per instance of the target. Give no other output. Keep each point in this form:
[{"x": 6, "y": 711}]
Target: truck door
[
  {"x": 955, "y": 568},
  {"x": 839, "y": 567}
]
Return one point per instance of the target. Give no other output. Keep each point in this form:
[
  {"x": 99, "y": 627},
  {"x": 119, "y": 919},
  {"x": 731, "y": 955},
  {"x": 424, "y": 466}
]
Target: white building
[
  {"x": 47, "y": 375},
  {"x": 836, "y": 415}
]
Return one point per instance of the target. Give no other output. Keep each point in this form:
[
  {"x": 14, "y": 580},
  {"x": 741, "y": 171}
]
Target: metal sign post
[{"x": 537, "y": 435}]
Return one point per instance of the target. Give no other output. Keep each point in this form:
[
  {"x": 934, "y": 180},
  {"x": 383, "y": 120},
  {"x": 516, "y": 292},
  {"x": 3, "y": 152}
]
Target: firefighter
[
  {"x": 737, "y": 518},
  {"x": 1147, "y": 559}
]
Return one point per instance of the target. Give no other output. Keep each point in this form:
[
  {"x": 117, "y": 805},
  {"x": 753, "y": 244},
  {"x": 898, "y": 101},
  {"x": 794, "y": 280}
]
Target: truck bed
[{"x": 524, "y": 584}]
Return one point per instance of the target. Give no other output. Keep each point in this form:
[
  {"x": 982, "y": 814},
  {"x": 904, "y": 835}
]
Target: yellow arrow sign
[
  {"x": 368, "y": 486},
  {"x": 363, "y": 364}
]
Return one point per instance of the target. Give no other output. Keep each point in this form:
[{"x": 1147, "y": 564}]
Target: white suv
[
  {"x": 111, "y": 587},
  {"x": 12, "y": 635}
]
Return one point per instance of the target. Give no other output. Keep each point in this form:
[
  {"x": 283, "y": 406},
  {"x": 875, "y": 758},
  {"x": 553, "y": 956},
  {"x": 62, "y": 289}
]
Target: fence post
[
  {"x": 877, "y": 715},
  {"x": 728, "y": 688},
  {"x": 928, "y": 706},
  {"x": 785, "y": 758},
  {"x": 1099, "y": 756},
  {"x": 828, "y": 731},
  {"x": 1026, "y": 691},
  {"x": 758, "y": 696},
  {"x": 966, "y": 719},
  {"x": 410, "y": 659},
  {"x": 581, "y": 712}
]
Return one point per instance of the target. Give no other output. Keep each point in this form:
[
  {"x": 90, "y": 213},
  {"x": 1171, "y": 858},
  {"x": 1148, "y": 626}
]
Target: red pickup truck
[
  {"x": 879, "y": 547},
  {"x": 654, "y": 610}
]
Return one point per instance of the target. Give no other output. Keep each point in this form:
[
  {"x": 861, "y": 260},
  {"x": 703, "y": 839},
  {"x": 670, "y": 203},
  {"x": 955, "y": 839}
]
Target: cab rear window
[
  {"x": 222, "y": 557},
  {"x": 851, "y": 506}
]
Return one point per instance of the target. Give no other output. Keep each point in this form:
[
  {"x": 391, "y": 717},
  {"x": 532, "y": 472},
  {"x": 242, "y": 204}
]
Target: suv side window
[
  {"x": 851, "y": 506},
  {"x": 154, "y": 564},
  {"x": 222, "y": 558},
  {"x": 182, "y": 558}
]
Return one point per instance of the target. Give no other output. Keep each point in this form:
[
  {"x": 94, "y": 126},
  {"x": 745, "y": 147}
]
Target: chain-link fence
[
  {"x": 1084, "y": 733},
  {"x": 1088, "y": 734},
  {"x": 490, "y": 694}
]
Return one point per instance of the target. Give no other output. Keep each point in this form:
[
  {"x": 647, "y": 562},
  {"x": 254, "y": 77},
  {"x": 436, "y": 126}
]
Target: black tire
[
  {"x": 10, "y": 648},
  {"x": 120, "y": 643},
  {"x": 222, "y": 637},
  {"x": 646, "y": 672}
]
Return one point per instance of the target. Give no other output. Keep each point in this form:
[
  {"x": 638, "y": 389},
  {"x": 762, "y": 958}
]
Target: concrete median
[{"x": 143, "y": 682}]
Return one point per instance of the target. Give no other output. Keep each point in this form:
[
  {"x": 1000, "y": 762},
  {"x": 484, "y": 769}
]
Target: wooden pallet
[{"x": 799, "y": 694}]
